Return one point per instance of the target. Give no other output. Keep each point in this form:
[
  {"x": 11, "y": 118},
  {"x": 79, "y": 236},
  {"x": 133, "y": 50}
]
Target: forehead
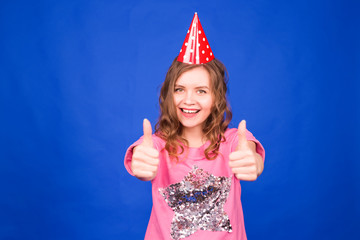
[{"x": 198, "y": 76}]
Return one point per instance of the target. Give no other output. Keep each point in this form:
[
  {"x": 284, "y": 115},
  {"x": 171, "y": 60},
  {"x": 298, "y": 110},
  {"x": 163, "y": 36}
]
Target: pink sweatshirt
[{"x": 196, "y": 198}]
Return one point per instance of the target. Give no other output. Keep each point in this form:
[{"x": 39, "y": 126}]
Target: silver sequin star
[{"x": 198, "y": 202}]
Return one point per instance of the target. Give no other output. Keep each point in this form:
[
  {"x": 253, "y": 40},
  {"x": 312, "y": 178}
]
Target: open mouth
[{"x": 190, "y": 111}]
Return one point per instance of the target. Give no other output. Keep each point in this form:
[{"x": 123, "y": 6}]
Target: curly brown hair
[{"x": 169, "y": 127}]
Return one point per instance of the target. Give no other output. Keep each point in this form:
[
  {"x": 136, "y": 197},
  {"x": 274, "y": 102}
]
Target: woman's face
[{"x": 193, "y": 98}]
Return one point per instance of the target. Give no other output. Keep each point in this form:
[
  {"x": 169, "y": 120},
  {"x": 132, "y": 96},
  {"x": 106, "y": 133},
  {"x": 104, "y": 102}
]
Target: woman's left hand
[{"x": 245, "y": 162}]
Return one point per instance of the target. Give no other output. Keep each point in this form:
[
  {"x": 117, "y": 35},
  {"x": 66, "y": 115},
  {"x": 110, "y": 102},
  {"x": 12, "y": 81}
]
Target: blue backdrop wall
[{"x": 78, "y": 77}]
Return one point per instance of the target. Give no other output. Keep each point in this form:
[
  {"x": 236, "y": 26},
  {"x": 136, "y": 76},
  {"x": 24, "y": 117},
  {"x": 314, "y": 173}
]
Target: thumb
[
  {"x": 242, "y": 136},
  {"x": 147, "y": 133}
]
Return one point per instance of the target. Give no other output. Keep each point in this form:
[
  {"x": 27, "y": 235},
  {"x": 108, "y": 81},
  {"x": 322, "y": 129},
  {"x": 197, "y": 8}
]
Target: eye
[
  {"x": 179, "y": 90},
  {"x": 201, "y": 91}
]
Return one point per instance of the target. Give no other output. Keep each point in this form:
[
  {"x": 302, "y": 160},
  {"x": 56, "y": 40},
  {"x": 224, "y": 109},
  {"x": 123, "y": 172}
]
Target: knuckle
[
  {"x": 157, "y": 161},
  {"x": 234, "y": 165},
  {"x": 137, "y": 148},
  {"x": 135, "y": 172},
  {"x": 249, "y": 152},
  {"x": 138, "y": 151},
  {"x": 155, "y": 153},
  {"x": 233, "y": 157},
  {"x": 133, "y": 163},
  {"x": 135, "y": 159},
  {"x": 135, "y": 154}
]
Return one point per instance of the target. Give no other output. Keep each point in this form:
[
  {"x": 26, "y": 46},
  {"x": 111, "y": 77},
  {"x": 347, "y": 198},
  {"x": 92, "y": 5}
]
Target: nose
[{"x": 189, "y": 98}]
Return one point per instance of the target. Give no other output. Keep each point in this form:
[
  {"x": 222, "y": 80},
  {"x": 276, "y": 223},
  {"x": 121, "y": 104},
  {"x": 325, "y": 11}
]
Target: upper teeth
[{"x": 189, "y": 111}]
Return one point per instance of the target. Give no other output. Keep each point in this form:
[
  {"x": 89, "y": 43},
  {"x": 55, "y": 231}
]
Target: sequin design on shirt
[{"x": 198, "y": 202}]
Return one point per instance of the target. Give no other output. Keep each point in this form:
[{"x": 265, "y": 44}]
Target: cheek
[
  {"x": 207, "y": 103},
  {"x": 176, "y": 100}
]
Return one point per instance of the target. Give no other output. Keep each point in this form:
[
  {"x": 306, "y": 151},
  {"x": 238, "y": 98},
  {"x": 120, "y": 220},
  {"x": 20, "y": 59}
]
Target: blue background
[{"x": 78, "y": 77}]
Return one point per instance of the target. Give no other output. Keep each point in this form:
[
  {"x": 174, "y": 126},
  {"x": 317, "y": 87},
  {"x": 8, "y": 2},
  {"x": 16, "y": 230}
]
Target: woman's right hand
[{"x": 145, "y": 159}]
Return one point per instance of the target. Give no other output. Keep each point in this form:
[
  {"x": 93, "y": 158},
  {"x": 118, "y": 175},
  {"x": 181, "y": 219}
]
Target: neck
[{"x": 194, "y": 136}]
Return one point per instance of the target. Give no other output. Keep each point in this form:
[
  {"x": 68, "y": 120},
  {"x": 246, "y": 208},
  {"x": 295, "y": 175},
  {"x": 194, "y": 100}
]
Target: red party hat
[{"x": 195, "y": 49}]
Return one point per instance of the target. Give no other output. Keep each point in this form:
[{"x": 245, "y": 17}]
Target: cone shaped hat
[{"x": 196, "y": 48}]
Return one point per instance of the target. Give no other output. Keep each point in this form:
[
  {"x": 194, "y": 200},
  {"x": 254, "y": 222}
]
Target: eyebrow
[{"x": 178, "y": 85}]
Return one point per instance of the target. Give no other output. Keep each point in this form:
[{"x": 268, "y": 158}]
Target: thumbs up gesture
[
  {"x": 245, "y": 162},
  {"x": 145, "y": 159}
]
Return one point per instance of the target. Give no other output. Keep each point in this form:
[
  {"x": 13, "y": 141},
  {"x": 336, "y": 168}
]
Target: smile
[{"x": 192, "y": 111}]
